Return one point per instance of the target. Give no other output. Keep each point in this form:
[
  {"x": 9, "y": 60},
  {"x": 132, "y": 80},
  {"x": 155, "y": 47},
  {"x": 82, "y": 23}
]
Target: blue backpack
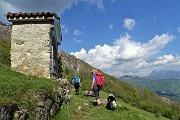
[{"x": 76, "y": 79}]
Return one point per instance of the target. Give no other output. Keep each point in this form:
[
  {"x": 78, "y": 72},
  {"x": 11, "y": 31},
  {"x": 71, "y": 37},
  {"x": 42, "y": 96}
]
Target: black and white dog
[{"x": 111, "y": 102}]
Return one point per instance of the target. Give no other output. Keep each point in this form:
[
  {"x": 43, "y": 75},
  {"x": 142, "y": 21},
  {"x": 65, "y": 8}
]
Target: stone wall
[{"x": 30, "y": 48}]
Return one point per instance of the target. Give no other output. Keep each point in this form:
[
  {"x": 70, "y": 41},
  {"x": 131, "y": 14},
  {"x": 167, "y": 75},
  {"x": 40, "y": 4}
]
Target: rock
[{"x": 40, "y": 104}]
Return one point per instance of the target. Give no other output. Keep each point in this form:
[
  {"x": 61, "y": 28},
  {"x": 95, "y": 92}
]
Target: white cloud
[
  {"x": 157, "y": 43},
  {"x": 143, "y": 64},
  {"x": 127, "y": 56},
  {"x": 111, "y": 27},
  {"x": 129, "y": 23},
  {"x": 58, "y": 6},
  {"x": 164, "y": 60},
  {"x": 77, "y": 40},
  {"x": 76, "y": 32},
  {"x": 127, "y": 49},
  {"x": 64, "y": 29}
]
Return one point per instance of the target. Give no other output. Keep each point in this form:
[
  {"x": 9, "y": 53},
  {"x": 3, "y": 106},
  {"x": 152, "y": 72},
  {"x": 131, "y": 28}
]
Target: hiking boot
[{"x": 98, "y": 106}]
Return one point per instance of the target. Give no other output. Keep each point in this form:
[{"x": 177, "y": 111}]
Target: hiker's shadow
[
  {"x": 108, "y": 107},
  {"x": 94, "y": 103},
  {"x": 118, "y": 108}
]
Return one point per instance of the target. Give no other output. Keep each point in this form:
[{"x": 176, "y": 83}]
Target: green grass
[
  {"x": 4, "y": 51},
  {"x": 82, "y": 109},
  {"x": 18, "y": 88}
]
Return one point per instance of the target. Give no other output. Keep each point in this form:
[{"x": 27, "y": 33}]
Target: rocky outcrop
[
  {"x": 72, "y": 62},
  {"x": 45, "y": 105},
  {"x": 7, "y": 111}
]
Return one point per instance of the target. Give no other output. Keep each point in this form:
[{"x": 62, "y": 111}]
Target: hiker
[
  {"x": 76, "y": 82},
  {"x": 96, "y": 88}
]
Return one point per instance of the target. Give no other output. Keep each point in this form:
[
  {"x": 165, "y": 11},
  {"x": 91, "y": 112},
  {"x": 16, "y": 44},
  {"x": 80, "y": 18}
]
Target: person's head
[{"x": 93, "y": 71}]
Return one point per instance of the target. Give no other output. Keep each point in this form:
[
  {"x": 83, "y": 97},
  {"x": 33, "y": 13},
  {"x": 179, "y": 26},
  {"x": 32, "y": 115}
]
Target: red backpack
[{"x": 99, "y": 79}]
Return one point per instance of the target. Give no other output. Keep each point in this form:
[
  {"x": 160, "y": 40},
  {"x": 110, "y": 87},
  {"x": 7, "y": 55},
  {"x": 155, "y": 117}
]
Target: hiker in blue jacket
[
  {"x": 95, "y": 88},
  {"x": 76, "y": 82}
]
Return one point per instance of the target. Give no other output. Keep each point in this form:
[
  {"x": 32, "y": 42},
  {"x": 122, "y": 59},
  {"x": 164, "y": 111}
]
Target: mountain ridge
[
  {"x": 165, "y": 74},
  {"x": 168, "y": 87}
]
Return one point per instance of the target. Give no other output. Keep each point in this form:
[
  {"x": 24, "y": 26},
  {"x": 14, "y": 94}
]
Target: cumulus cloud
[
  {"x": 157, "y": 43},
  {"x": 127, "y": 49},
  {"x": 143, "y": 64},
  {"x": 127, "y": 56},
  {"x": 57, "y": 6},
  {"x": 129, "y": 23},
  {"x": 164, "y": 60}
]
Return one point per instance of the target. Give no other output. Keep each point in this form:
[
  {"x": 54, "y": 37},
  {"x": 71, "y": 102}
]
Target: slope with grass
[
  {"x": 4, "y": 51},
  {"x": 5, "y": 35},
  {"x": 19, "y": 90},
  {"x": 141, "y": 98},
  {"x": 82, "y": 108}
]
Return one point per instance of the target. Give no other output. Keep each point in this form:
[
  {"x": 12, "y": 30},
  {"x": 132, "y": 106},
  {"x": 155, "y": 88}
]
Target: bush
[{"x": 157, "y": 114}]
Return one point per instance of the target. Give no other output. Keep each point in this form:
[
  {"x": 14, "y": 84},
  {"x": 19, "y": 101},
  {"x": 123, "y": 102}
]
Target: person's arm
[{"x": 92, "y": 83}]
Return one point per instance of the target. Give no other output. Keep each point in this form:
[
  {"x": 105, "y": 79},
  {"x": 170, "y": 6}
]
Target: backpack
[
  {"x": 99, "y": 79},
  {"x": 76, "y": 79}
]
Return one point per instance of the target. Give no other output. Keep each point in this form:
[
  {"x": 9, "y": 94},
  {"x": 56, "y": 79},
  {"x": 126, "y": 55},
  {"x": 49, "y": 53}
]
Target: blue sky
[{"x": 119, "y": 37}]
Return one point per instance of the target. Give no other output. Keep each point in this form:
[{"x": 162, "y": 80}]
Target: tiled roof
[{"x": 32, "y": 14}]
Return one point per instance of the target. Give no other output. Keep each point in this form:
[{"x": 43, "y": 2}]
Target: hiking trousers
[{"x": 76, "y": 86}]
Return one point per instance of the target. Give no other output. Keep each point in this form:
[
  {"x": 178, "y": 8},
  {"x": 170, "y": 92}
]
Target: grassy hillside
[
  {"x": 17, "y": 88},
  {"x": 170, "y": 87},
  {"x": 4, "y": 51},
  {"x": 136, "y": 97},
  {"x": 83, "y": 109}
]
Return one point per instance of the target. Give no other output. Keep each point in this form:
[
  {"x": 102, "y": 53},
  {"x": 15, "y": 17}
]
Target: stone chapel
[{"x": 34, "y": 43}]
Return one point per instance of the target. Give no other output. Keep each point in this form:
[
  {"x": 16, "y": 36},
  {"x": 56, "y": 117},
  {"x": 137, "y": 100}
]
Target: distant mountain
[
  {"x": 165, "y": 74},
  {"x": 163, "y": 87},
  {"x": 129, "y": 77}
]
